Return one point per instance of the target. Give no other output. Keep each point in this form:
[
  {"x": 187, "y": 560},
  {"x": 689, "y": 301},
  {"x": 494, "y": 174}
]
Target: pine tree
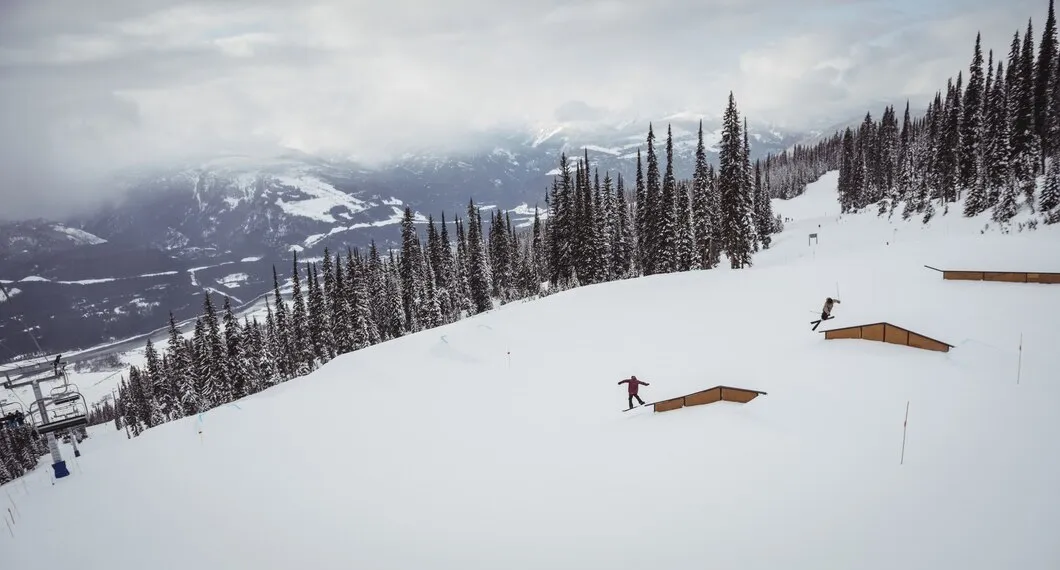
[
  {"x": 1006, "y": 205},
  {"x": 430, "y": 312},
  {"x": 749, "y": 187},
  {"x": 394, "y": 315},
  {"x": 180, "y": 397},
  {"x": 324, "y": 289},
  {"x": 1052, "y": 102},
  {"x": 686, "y": 258},
  {"x": 1025, "y": 129},
  {"x": 666, "y": 212},
  {"x": 410, "y": 282},
  {"x": 849, "y": 190},
  {"x": 135, "y": 406},
  {"x": 5, "y": 473},
  {"x": 997, "y": 157},
  {"x": 622, "y": 248},
  {"x": 978, "y": 193},
  {"x": 607, "y": 228},
  {"x": 652, "y": 223},
  {"x": 763, "y": 209},
  {"x": 701, "y": 203},
  {"x": 1050, "y": 198},
  {"x": 906, "y": 157},
  {"x": 1020, "y": 84},
  {"x": 602, "y": 220},
  {"x": 1044, "y": 118},
  {"x": 284, "y": 344},
  {"x": 217, "y": 388},
  {"x": 157, "y": 387},
  {"x": 478, "y": 270},
  {"x": 267, "y": 362},
  {"x": 364, "y": 330},
  {"x": 236, "y": 366},
  {"x": 252, "y": 343},
  {"x": 972, "y": 124},
  {"x": 298, "y": 329},
  {"x": 461, "y": 285},
  {"x": 737, "y": 233},
  {"x": 201, "y": 360},
  {"x": 339, "y": 306},
  {"x": 319, "y": 339}
]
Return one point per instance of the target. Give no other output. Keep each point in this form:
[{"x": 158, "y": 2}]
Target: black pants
[{"x": 631, "y": 396}]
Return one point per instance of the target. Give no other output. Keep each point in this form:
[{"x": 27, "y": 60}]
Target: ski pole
[{"x": 905, "y": 425}]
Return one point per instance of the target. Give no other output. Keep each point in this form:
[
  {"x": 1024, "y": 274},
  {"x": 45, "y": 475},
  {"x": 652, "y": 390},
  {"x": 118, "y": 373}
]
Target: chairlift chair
[
  {"x": 64, "y": 420},
  {"x": 14, "y": 418}
]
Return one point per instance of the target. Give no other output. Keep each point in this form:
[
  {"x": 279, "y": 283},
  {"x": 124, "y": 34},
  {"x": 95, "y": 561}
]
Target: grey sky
[{"x": 89, "y": 86}]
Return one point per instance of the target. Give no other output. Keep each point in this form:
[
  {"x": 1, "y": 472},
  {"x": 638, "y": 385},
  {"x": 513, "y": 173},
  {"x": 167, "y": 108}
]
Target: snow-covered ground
[
  {"x": 79, "y": 236},
  {"x": 499, "y": 441}
]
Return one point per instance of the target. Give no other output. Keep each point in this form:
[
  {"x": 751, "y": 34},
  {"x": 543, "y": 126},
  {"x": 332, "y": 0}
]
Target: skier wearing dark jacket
[
  {"x": 633, "y": 385},
  {"x": 826, "y": 312}
]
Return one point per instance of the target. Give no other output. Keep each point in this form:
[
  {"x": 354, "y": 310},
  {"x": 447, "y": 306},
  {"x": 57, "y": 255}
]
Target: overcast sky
[{"x": 89, "y": 86}]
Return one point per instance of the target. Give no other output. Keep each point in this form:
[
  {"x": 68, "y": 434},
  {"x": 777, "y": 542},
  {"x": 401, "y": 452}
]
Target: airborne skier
[{"x": 826, "y": 312}]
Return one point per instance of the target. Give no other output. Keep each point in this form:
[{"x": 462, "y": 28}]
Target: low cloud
[{"x": 89, "y": 87}]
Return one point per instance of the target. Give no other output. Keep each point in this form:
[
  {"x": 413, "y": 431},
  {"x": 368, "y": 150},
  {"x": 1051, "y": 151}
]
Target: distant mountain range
[{"x": 221, "y": 224}]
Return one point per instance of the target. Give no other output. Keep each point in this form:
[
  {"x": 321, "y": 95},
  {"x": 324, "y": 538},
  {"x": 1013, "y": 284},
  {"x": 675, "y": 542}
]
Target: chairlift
[
  {"x": 12, "y": 419},
  {"x": 63, "y": 419},
  {"x": 72, "y": 397}
]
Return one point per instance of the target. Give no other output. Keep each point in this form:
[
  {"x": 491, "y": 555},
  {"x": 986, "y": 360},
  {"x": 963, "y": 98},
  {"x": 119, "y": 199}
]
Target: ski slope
[{"x": 499, "y": 441}]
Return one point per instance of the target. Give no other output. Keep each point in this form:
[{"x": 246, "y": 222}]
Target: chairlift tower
[{"x": 30, "y": 377}]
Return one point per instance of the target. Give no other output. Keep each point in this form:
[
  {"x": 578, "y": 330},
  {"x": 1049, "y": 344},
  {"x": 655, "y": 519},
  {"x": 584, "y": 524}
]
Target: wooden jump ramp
[
  {"x": 708, "y": 396},
  {"x": 886, "y": 332},
  {"x": 999, "y": 276}
]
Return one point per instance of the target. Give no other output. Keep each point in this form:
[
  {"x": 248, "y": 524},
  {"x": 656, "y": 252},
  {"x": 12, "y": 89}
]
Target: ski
[{"x": 817, "y": 323}]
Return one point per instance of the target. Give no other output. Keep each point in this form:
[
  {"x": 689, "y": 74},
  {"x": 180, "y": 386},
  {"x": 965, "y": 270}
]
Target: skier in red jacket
[{"x": 633, "y": 386}]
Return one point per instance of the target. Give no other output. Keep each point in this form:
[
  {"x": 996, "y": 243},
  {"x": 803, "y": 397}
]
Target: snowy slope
[{"x": 498, "y": 441}]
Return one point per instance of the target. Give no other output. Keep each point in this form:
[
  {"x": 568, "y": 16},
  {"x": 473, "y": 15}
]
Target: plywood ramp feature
[
  {"x": 708, "y": 396},
  {"x": 999, "y": 276},
  {"x": 886, "y": 332}
]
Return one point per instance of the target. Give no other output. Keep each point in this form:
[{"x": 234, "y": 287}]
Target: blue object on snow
[{"x": 60, "y": 469}]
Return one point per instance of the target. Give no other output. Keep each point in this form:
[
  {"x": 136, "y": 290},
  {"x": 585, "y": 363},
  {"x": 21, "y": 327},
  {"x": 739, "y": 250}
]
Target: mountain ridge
[{"x": 220, "y": 209}]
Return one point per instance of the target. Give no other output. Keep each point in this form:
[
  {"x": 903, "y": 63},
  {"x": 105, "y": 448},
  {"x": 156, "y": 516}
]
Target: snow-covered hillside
[{"x": 499, "y": 441}]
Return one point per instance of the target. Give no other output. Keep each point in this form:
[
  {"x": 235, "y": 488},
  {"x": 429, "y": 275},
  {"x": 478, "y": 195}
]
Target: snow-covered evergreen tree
[
  {"x": 998, "y": 152},
  {"x": 157, "y": 384},
  {"x": 284, "y": 344},
  {"x": 298, "y": 327},
  {"x": 666, "y": 215},
  {"x": 217, "y": 387},
  {"x": 737, "y": 233},
  {"x": 237, "y": 369},
  {"x": 1050, "y": 198},
  {"x": 763, "y": 214},
  {"x": 478, "y": 269},
  {"x": 1044, "y": 117},
  {"x": 971, "y": 128},
  {"x": 685, "y": 248}
]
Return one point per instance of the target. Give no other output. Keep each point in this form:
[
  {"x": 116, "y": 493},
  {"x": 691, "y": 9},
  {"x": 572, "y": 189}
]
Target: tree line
[
  {"x": 20, "y": 449},
  {"x": 987, "y": 141}
]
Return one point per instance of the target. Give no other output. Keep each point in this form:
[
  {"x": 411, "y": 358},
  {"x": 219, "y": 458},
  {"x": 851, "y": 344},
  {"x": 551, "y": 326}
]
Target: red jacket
[{"x": 633, "y": 384}]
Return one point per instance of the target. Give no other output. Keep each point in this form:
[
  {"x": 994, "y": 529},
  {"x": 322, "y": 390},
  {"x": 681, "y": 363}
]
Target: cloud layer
[{"x": 89, "y": 87}]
